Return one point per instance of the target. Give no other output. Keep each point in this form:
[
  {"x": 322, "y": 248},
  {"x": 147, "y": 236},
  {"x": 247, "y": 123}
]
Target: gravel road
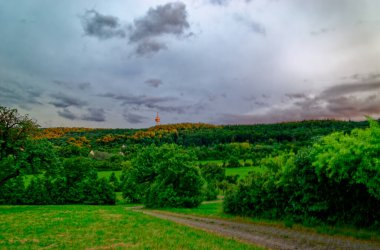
[{"x": 270, "y": 237}]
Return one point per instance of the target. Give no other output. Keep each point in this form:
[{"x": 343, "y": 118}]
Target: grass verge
[{"x": 215, "y": 210}]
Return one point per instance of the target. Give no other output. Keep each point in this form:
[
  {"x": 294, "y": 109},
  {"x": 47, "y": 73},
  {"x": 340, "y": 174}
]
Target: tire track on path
[{"x": 264, "y": 235}]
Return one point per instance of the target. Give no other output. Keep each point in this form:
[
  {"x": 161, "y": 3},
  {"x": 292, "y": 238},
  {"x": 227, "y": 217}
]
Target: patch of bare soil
[{"x": 264, "y": 235}]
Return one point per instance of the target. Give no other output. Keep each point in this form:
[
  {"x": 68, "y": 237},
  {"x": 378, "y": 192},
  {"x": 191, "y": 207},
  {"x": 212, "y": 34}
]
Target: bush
[
  {"x": 114, "y": 182},
  {"x": 12, "y": 192},
  {"x": 213, "y": 174},
  {"x": 164, "y": 176},
  {"x": 336, "y": 181},
  {"x": 233, "y": 162},
  {"x": 76, "y": 183}
]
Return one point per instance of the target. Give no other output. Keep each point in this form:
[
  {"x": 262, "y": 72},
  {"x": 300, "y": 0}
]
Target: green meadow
[
  {"x": 241, "y": 171},
  {"x": 99, "y": 227}
]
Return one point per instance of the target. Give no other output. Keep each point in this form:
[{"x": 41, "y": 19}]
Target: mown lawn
[{"x": 99, "y": 227}]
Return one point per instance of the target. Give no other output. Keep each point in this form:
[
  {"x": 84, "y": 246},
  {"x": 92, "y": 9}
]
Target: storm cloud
[
  {"x": 101, "y": 26},
  {"x": 141, "y": 100},
  {"x": 15, "y": 93},
  {"x": 134, "y": 118},
  {"x": 224, "y": 2},
  {"x": 343, "y": 89},
  {"x": 154, "y": 82},
  {"x": 164, "y": 20},
  {"x": 253, "y": 25},
  {"x": 56, "y": 57},
  {"x": 342, "y": 101},
  {"x": 66, "y": 113},
  {"x": 63, "y": 101},
  {"x": 73, "y": 85},
  {"x": 94, "y": 115}
]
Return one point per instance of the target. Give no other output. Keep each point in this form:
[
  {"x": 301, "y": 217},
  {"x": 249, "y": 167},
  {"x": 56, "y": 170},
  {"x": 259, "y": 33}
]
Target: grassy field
[
  {"x": 220, "y": 162},
  {"x": 216, "y": 210},
  {"x": 99, "y": 227},
  {"x": 242, "y": 172},
  {"x": 107, "y": 174}
]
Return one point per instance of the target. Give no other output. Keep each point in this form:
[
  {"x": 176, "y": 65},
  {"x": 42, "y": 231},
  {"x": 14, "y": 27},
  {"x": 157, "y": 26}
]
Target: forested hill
[{"x": 188, "y": 134}]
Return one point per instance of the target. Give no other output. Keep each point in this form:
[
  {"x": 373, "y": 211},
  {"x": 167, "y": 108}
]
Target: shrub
[
  {"x": 164, "y": 176},
  {"x": 12, "y": 192},
  {"x": 336, "y": 181}
]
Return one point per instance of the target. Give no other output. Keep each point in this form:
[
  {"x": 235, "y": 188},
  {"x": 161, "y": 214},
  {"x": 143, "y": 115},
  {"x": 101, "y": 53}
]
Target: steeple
[{"x": 157, "y": 120}]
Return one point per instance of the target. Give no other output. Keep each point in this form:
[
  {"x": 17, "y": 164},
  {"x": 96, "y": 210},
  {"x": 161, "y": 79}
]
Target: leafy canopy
[{"x": 19, "y": 154}]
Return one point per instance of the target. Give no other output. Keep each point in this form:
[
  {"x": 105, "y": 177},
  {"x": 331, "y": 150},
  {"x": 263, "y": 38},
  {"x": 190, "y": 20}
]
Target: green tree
[
  {"x": 336, "y": 181},
  {"x": 164, "y": 176},
  {"x": 19, "y": 154},
  {"x": 114, "y": 182}
]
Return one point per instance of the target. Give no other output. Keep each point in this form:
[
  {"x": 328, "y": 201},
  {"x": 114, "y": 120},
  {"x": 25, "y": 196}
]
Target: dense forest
[{"x": 314, "y": 172}]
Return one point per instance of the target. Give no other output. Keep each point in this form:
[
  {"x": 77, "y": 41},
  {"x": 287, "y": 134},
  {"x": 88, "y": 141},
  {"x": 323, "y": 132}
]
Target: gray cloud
[
  {"x": 253, "y": 25},
  {"x": 71, "y": 85},
  {"x": 322, "y": 31},
  {"x": 344, "y": 101},
  {"x": 161, "y": 104},
  {"x": 101, "y": 26},
  {"x": 64, "y": 101},
  {"x": 95, "y": 115},
  {"x": 224, "y": 2},
  {"x": 343, "y": 89},
  {"x": 219, "y": 2},
  {"x": 148, "y": 47},
  {"x": 364, "y": 77},
  {"x": 142, "y": 100},
  {"x": 293, "y": 96},
  {"x": 65, "y": 113},
  {"x": 154, "y": 82},
  {"x": 134, "y": 118},
  {"x": 168, "y": 19},
  {"x": 15, "y": 93}
]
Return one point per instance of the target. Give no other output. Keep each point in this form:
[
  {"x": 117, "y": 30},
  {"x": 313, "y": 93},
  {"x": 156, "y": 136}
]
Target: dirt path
[{"x": 262, "y": 235}]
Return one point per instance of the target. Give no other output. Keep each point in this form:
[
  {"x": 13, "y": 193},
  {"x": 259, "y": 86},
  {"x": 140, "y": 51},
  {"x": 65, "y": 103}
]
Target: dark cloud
[
  {"x": 14, "y": 93},
  {"x": 65, "y": 113},
  {"x": 343, "y": 89},
  {"x": 364, "y": 77},
  {"x": 134, "y": 118},
  {"x": 293, "y": 96},
  {"x": 95, "y": 115},
  {"x": 152, "y": 103},
  {"x": 64, "y": 101},
  {"x": 254, "y": 26},
  {"x": 84, "y": 86},
  {"x": 168, "y": 19},
  {"x": 344, "y": 101},
  {"x": 141, "y": 100},
  {"x": 154, "y": 82},
  {"x": 101, "y": 26},
  {"x": 71, "y": 85},
  {"x": 352, "y": 106},
  {"x": 149, "y": 47},
  {"x": 219, "y": 2},
  {"x": 168, "y": 109},
  {"x": 322, "y": 31},
  {"x": 224, "y": 2}
]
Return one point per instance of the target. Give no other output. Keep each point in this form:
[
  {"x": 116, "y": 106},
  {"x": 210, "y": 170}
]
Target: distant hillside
[{"x": 199, "y": 134}]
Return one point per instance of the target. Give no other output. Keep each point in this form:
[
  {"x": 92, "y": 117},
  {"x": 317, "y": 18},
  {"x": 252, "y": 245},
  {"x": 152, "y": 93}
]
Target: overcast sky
[{"x": 116, "y": 63}]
